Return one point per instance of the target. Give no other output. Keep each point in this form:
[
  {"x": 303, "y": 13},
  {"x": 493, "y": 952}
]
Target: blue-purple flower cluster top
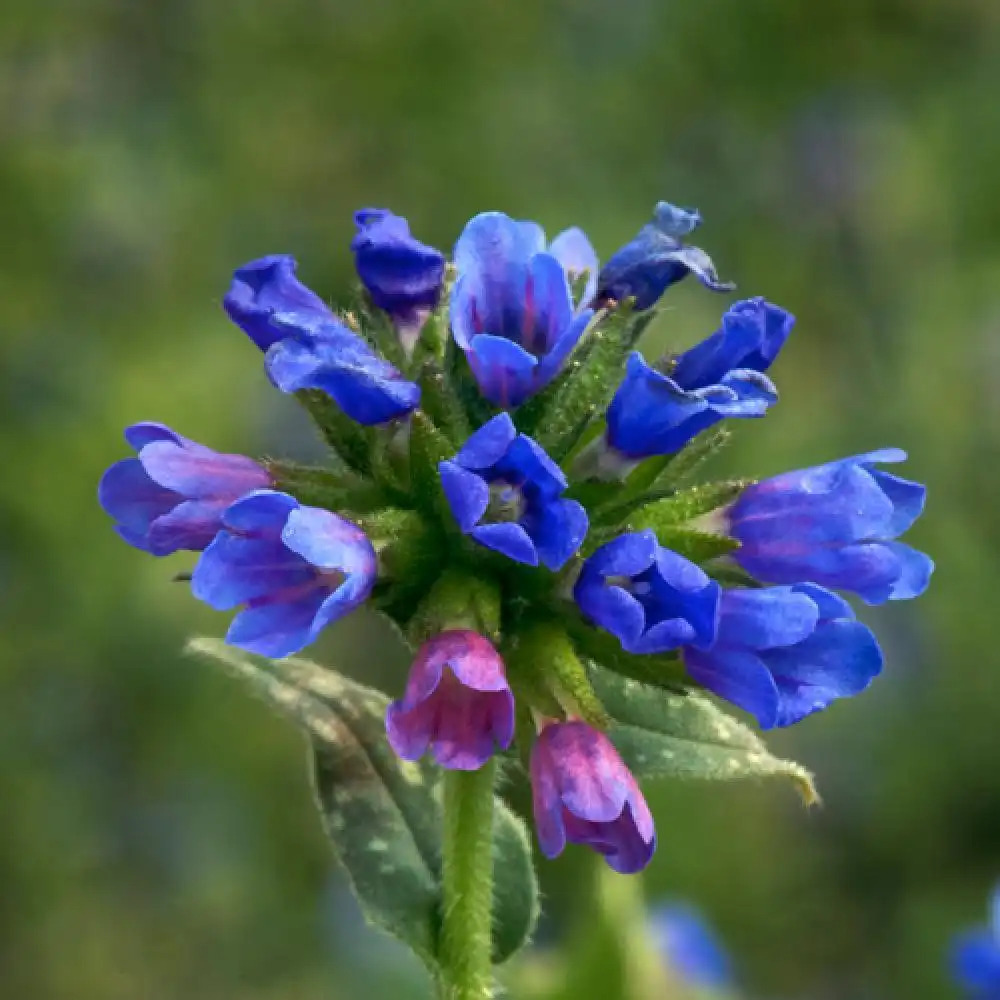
[
  {"x": 781, "y": 647},
  {"x": 975, "y": 956},
  {"x": 512, "y": 308}
]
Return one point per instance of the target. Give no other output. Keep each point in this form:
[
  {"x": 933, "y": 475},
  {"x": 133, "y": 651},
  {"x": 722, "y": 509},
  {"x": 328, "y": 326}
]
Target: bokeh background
[{"x": 157, "y": 838}]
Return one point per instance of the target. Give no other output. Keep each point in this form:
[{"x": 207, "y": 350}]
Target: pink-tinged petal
[
  {"x": 582, "y": 792},
  {"x": 202, "y": 474},
  {"x": 457, "y": 703}
]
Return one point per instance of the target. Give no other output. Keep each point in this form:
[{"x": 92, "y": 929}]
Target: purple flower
[
  {"x": 652, "y": 599},
  {"x": 657, "y": 414},
  {"x": 656, "y": 259},
  {"x": 504, "y": 492},
  {"x": 307, "y": 347},
  {"x": 292, "y": 569},
  {"x": 512, "y": 309},
  {"x": 690, "y": 948},
  {"x": 264, "y": 288},
  {"x": 402, "y": 275},
  {"x": 173, "y": 494},
  {"x": 583, "y": 793},
  {"x": 782, "y": 653},
  {"x": 457, "y": 703},
  {"x": 975, "y": 956},
  {"x": 834, "y": 525}
]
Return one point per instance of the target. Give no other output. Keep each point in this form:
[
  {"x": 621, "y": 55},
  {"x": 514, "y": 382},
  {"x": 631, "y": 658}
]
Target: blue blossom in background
[
  {"x": 651, "y": 598},
  {"x": 690, "y": 948},
  {"x": 292, "y": 569},
  {"x": 402, "y": 275},
  {"x": 172, "y": 495},
  {"x": 583, "y": 793},
  {"x": 457, "y": 703},
  {"x": 653, "y": 413},
  {"x": 656, "y": 259},
  {"x": 512, "y": 309},
  {"x": 264, "y": 288},
  {"x": 782, "y": 653},
  {"x": 834, "y": 525},
  {"x": 975, "y": 956},
  {"x": 505, "y": 492}
]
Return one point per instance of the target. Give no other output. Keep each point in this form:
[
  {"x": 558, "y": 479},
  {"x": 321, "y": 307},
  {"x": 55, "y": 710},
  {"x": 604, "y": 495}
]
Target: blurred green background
[{"x": 157, "y": 838}]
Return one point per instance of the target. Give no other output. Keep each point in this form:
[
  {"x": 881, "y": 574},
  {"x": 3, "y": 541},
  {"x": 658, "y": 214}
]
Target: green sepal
[
  {"x": 378, "y": 328},
  {"x": 351, "y": 441},
  {"x": 698, "y": 546},
  {"x": 343, "y": 492},
  {"x": 390, "y": 458},
  {"x": 428, "y": 448},
  {"x": 410, "y": 556},
  {"x": 686, "y": 505},
  {"x": 442, "y": 404},
  {"x": 458, "y": 599},
  {"x": 544, "y": 659},
  {"x": 585, "y": 394},
  {"x": 660, "y": 476},
  {"x": 383, "y": 815},
  {"x": 670, "y": 734}
]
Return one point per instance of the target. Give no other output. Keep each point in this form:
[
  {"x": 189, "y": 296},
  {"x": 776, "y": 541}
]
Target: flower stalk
[{"x": 466, "y": 935}]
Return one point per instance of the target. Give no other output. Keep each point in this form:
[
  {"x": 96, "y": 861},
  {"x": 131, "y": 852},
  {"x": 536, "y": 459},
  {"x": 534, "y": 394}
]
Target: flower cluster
[{"x": 464, "y": 403}]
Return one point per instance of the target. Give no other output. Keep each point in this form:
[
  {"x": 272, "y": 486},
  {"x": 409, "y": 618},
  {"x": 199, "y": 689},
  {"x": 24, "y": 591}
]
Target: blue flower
[
  {"x": 583, "y": 793},
  {"x": 307, "y": 347},
  {"x": 782, "y": 653},
  {"x": 457, "y": 703},
  {"x": 402, "y": 275},
  {"x": 264, "y": 288},
  {"x": 652, "y": 599},
  {"x": 656, "y": 259},
  {"x": 690, "y": 948},
  {"x": 504, "y": 492},
  {"x": 975, "y": 957},
  {"x": 835, "y": 525},
  {"x": 173, "y": 494},
  {"x": 657, "y": 414},
  {"x": 512, "y": 309},
  {"x": 326, "y": 355},
  {"x": 292, "y": 569}
]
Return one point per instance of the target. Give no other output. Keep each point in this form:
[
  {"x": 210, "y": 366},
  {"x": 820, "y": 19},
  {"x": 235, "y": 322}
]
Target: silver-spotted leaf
[
  {"x": 383, "y": 815},
  {"x": 663, "y": 733}
]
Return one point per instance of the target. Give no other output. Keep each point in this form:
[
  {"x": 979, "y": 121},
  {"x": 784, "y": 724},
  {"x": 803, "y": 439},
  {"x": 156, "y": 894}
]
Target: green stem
[{"x": 466, "y": 939}]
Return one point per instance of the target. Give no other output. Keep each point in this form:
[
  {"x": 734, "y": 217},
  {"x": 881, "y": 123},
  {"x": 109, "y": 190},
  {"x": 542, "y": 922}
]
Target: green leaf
[
  {"x": 383, "y": 815},
  {"x": 585, "y": 394},
  {"x": 669, "y": 734}
]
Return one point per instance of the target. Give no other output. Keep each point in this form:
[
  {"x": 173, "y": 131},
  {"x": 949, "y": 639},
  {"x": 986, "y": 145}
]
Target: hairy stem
[{"x": 466, "y": 941}]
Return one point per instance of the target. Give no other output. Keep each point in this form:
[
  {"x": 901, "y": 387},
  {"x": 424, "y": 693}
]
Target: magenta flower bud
[
  {"x": 583, "y": 792},
  {"x": 457, "y": 703}
]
